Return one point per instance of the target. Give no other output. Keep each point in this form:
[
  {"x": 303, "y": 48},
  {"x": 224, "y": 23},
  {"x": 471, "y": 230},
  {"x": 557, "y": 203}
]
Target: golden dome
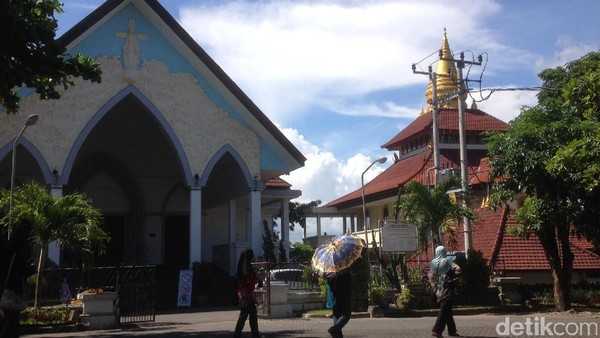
[{"x": 445, "y": 83}]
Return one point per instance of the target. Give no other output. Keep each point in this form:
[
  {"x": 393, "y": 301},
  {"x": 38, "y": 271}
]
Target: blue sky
[{"x": 335, "y": 75}]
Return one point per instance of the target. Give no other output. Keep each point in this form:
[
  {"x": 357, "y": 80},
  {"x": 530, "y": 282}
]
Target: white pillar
[
  {"x": 54, "y": 247},
  {"x": 255, "y": 226},
  {"x": 195, "y": 225},
  {"x": 318, "y": 226},
  {"x": 285, "y": 227}
]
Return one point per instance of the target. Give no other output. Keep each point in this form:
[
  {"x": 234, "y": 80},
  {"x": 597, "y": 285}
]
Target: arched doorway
[{"x": 127, "y": 165}]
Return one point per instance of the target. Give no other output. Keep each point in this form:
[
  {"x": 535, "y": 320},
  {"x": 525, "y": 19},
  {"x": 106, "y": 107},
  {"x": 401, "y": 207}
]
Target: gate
[
  {"x": 135, "y": 286},
  {"x": 136, "y": 289}
]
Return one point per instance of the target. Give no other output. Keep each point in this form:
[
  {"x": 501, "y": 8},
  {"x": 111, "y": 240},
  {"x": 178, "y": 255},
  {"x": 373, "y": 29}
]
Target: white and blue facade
[{"x": 167, "y": 145}]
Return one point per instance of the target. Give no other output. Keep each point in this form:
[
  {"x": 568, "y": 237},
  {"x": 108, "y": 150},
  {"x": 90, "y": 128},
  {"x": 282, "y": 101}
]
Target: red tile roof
[
  {"x": 507, "y": 252},
  {"x": 516, "y": 253},
  {"x": 387, "y": 182},
  {"x": 476, "y": 121},
  {"x": 482, "y": 175},
  {"x": 277, "y": 183},
  {"x": 413, "y": 168}
]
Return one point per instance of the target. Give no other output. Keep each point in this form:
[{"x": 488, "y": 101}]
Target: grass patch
[{"x": 319, "y": 312}]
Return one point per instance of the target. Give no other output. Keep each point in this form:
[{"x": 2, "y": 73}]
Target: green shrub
[
  {"x": 45, "y": 315},
  {"x": 472, "y": 286},
  {"x": 376, "y": 295},
  {"x": 404, "y": 300}
]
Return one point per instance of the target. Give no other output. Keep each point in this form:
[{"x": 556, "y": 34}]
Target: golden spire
[
  {"x": 422, "y": 111},
  {"x": 445, "y": 84}
]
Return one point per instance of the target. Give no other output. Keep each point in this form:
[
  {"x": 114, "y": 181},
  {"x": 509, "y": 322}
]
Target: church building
[{"x": 183, "y": 165}]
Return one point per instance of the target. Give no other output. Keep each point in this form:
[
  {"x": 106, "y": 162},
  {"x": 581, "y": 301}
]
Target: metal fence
[{"x": 135, "y": 286}]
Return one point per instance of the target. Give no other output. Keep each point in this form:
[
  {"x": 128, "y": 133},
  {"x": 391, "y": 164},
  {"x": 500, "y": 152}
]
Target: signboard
[
  {"x": 184, "y": 295},
  {"x": 398, "y": 236}
]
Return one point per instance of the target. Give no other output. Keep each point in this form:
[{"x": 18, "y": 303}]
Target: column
[
  {"x": 285, "y": 226},
  {"x": 195, "y": 225},
  {"x": 255, "y": 227},
  {"x": 318, "y": 226}
]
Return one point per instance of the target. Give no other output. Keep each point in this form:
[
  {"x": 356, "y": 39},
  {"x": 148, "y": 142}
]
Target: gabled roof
[
  {"x": 506, "y": 252},
  {"x": 514, "y": 253},
  {"x": 110, "y": 5},
  {"x": 413, "y": 168},
  {"x": 277, "y": 183},
  {"x": 386, "y": 184},
  {"x": 477, "y": 121}
]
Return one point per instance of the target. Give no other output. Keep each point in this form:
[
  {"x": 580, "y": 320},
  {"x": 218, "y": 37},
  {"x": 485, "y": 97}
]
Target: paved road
[{"x": 220, "y": 324}]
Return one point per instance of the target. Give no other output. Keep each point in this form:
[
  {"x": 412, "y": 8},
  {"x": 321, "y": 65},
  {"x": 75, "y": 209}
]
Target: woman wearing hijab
[
  {"x": 246, "y": 281},
  {"x": 446, "y": 271}
]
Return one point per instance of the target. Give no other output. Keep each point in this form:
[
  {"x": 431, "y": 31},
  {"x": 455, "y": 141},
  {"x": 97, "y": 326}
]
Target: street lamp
[
  {"x": 31, "y": 120},
  {"x": 364, "y": 210}
]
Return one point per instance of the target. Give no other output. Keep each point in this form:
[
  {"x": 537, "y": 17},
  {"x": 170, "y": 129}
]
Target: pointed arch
[
  {"x": 217, "y": 156},
  {"x": 89, "y": 127},
  {"x": 35, "y": 153}
]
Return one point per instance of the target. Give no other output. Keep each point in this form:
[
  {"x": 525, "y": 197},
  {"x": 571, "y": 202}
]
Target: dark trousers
[
  {"x": 245, "y": 312},
  {"x": 445, "y": 318},
  {"x": 341, "y": 317}
]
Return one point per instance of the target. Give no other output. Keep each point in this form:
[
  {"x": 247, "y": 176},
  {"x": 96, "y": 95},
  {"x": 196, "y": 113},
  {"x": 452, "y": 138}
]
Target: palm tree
[
  {"x": 433, "y": 210},
  {"x": 70, "y": 220}
]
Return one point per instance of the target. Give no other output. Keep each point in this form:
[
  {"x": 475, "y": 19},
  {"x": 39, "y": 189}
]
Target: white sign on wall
[
  {"x": 398, "y": 236},
  {"x": 184, "y": 295}
]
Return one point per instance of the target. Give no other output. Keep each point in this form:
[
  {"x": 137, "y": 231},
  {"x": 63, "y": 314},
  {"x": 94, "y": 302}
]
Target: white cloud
[
  {"x": 289, "y": 55},
  {"x": 506, "y": 105},
  {"x": 568, "y": 50},
  {"x": 383, "y": 109},
  {"x": 325, "y": 178}
]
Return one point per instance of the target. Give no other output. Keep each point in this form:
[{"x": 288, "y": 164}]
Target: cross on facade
[{"x": 131, "y": 49}]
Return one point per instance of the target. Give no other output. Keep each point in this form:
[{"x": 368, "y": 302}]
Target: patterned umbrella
[{"x": 337, "y": 254}]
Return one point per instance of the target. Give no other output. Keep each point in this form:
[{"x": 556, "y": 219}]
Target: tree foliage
[
  {"x": 70, "y": 220},
  {"x": 268, "y": 245},
  {"x": 550, "y": 156},
  {"x": 432, "y": 210},
  {"x": 301, "y": 253},
  {"x": 297, "y": 211},
  {"x": 31, "y": 57}
]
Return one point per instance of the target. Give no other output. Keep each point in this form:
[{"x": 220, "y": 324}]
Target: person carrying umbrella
[
  {"x": 341, "y": 288},
  {"x": 333, "y": 260}
]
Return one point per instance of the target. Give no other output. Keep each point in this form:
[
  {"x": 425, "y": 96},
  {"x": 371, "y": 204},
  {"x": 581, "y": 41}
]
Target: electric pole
[
  {"x": 464, "y": 175},
  {"x": 460, "y": 94}
]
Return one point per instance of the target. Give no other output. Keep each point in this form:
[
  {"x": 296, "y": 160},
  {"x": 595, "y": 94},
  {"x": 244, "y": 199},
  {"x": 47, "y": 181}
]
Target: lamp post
[
  {"x": 364, "y": 210},
  {"x": 31, "y": 120}
]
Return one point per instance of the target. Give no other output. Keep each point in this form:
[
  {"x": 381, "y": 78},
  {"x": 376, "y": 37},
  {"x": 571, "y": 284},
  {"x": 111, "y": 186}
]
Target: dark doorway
[
  {"x": 115, "y": 228},
  {"x": 177, "y": 243}
]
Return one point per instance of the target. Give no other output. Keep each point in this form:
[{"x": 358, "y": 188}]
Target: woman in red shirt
[{"x": 246, "y": 281}]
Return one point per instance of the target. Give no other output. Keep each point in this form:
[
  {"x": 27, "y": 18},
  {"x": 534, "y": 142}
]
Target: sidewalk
[{"x": 219, "y": 323}]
